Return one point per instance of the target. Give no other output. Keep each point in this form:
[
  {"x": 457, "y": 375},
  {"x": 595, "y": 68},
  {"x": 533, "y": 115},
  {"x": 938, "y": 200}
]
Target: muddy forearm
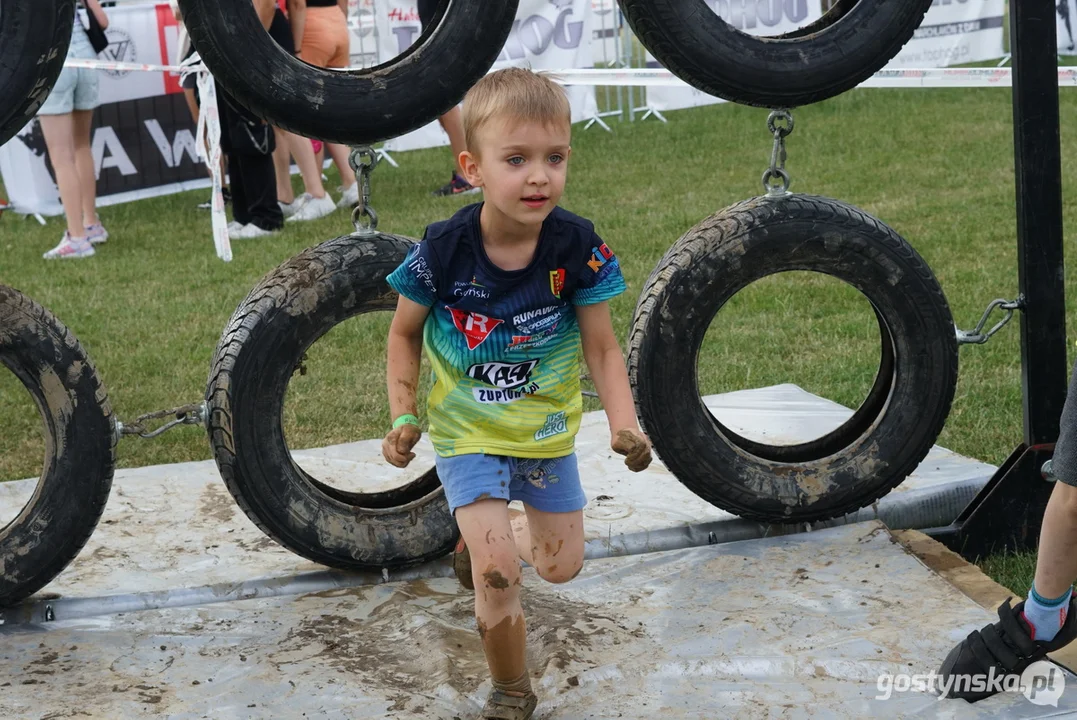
[
  {"x": 402, "y": 373},
  {"x": 608, "y": 372}
]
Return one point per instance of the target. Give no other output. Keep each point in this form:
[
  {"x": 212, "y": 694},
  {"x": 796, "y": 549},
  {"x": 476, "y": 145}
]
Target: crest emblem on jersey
[
  {"x": 557, "y": 282},
  {"x": 476, "y": 327}
]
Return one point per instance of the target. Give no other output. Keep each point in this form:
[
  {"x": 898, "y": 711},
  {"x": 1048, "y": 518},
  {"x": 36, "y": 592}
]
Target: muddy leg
[
  {"x": 495, "y": 567},
  {"x": 556, "y": 541}
]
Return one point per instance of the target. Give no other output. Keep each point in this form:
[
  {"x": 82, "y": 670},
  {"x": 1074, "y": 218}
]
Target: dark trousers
[{"x": 252, "y": 176}]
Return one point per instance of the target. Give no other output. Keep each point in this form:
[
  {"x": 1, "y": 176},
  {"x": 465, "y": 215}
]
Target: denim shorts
[
  {"x": 76, "y": 88},
  {"x": 547, "y": 484}
]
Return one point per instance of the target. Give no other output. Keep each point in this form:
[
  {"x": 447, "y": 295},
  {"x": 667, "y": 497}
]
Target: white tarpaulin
[
  {"x": 547, "y": 35},
  {"x": 179, "y": 607}
]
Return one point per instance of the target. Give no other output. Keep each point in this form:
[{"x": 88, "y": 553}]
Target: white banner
[
  {"x": 955, "y": 32},
  {"x": 767, "y": 17},
  {"x": 547, "y": 35}
]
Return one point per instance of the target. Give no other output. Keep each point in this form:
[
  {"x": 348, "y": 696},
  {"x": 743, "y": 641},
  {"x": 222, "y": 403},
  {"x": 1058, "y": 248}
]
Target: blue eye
[
  {"x": 556, "y": 158},
  {"x": 513, "y": 160}
]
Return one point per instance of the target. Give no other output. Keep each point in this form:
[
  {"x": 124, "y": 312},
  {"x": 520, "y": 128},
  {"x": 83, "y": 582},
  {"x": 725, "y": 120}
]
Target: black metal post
[{"x": 1008, "y": 512}]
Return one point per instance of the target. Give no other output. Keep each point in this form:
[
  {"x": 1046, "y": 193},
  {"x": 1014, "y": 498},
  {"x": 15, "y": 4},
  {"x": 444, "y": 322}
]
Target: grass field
[{"x": 937, "y": 165}]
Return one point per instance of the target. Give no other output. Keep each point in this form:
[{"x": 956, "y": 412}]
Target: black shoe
[
  {"x": 456, "y": 186},
  {"x": 208, "y": 204},
  {"x": 1005, "y": 648}
]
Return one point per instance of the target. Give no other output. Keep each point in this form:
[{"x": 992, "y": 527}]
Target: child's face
[{"x": 521, "y": 167}]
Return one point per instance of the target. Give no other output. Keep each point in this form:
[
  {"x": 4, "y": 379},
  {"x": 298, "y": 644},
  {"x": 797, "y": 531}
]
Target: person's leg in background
[
  {"x": 58, "y": 128},
  {"x": 326, "y": 44},
  {"x": 84, "y": 165},
  {"x": 314, "y": 202},
  {"x": 59, "y": 132},
  {"x": 85, "y": 101},
  {"x": 254, "y": 173},
  {"x": 451, "y": 121}
]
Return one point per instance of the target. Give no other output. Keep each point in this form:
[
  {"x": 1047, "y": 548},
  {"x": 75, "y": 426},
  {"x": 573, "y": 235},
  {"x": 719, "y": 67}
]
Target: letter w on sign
[{"x": 475, "y": 326}]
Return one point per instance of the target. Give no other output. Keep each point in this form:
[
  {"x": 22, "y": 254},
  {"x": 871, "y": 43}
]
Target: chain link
[
  {"x": 776, "y": 171},
  {"x": 363, "y": 160},
  {"x": 193, "y": 414},
  {"x": 977, "y": 336}
]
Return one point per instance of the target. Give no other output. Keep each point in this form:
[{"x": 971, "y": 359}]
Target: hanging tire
[
  {"x": 355, "y": 107},
  {"x": 872, "y": 452},
  {"x": 849, "y": 44},
  {"x": 80, "y": 447},
  {"x": 33, "y": 46},
  {"x": 264, "y": 342}
]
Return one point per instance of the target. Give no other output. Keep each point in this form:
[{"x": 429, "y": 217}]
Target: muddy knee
[
  {"x": 555, "y": 571},
  {"x": 498, "y": 576}
]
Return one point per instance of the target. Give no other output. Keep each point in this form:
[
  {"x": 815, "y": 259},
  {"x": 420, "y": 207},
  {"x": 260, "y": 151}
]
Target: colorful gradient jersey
[{"x": 504, "y": 345}]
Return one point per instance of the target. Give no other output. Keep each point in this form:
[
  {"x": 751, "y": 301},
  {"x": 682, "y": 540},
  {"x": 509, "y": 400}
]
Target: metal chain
[
  {"x": 977, "y": 336},
  {"x": 193, "y": 414},
  {"x": 777, "y": 171},
  {"x": 363, "y": 160}
]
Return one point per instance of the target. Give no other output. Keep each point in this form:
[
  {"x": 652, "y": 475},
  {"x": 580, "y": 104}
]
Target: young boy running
[{"x": 501, "y": 295}]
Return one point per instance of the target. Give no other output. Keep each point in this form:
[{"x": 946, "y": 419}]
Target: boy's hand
[
  {"x": 397, "y": 445},
  {"x": 635, "y": 446}
]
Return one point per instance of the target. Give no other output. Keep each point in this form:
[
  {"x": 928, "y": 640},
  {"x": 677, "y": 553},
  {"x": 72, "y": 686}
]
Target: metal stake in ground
[{"x": 363, "y": 160}]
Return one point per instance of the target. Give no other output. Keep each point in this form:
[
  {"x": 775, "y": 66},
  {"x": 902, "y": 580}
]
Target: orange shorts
[{"x": 326, "y": 41}]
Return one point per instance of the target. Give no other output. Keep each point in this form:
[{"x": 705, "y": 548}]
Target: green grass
[{"x": 937, "y": 165}]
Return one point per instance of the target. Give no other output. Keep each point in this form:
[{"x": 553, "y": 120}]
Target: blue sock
[{"x": 1046, "y": 615}]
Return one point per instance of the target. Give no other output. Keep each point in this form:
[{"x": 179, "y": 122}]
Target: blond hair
[{"x": 513, "y": 94}]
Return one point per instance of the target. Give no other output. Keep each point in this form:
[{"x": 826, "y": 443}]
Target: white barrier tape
[
  {"x": 909, "y": 77},
  {"x": 131, "y": 67},
  {"x": 660, "y": 77}
]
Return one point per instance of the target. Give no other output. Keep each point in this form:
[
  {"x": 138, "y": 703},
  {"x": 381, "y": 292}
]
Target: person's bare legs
[
  {"x": 83, "y": 120},
  {"x": 281, "y": 169},
  {"x": 1056, "y": 561},
  {"x": 495, "y": 568},
  {"x": 453, "y": 125},
  {"x": 59, "y": 132},
  {"x": 340, "y": 154},
  {"x": 303, "y": 152}
]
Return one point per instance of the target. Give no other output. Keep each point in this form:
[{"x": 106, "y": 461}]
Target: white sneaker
[
  {"x": 314, "y": 208},
  {"x": 250, "y": 231},
  {"x": 96, "y": 233},
  {"x": 349, "y": 196},
  {"x": 290, "y": 209},
  {"x": 70, "y": 247},
  {"x": 234, "y": 227}
]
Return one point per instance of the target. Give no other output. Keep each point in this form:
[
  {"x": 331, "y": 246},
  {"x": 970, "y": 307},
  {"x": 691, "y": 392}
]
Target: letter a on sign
[{"x": 475, "y": 326}]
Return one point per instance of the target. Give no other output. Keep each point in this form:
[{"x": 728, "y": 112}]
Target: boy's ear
[{"x": 470, "y": 166}]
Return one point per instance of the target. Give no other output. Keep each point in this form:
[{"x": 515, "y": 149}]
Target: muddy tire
[
  {"x": 849, "y": 44},
  {"x": 284, "y": 315},
  {"x": 870, "y": 454},
  {"x": 33, "y": 46},
  {"x": 80, "y": 447},
  {"x": 354, "y": 107}
]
